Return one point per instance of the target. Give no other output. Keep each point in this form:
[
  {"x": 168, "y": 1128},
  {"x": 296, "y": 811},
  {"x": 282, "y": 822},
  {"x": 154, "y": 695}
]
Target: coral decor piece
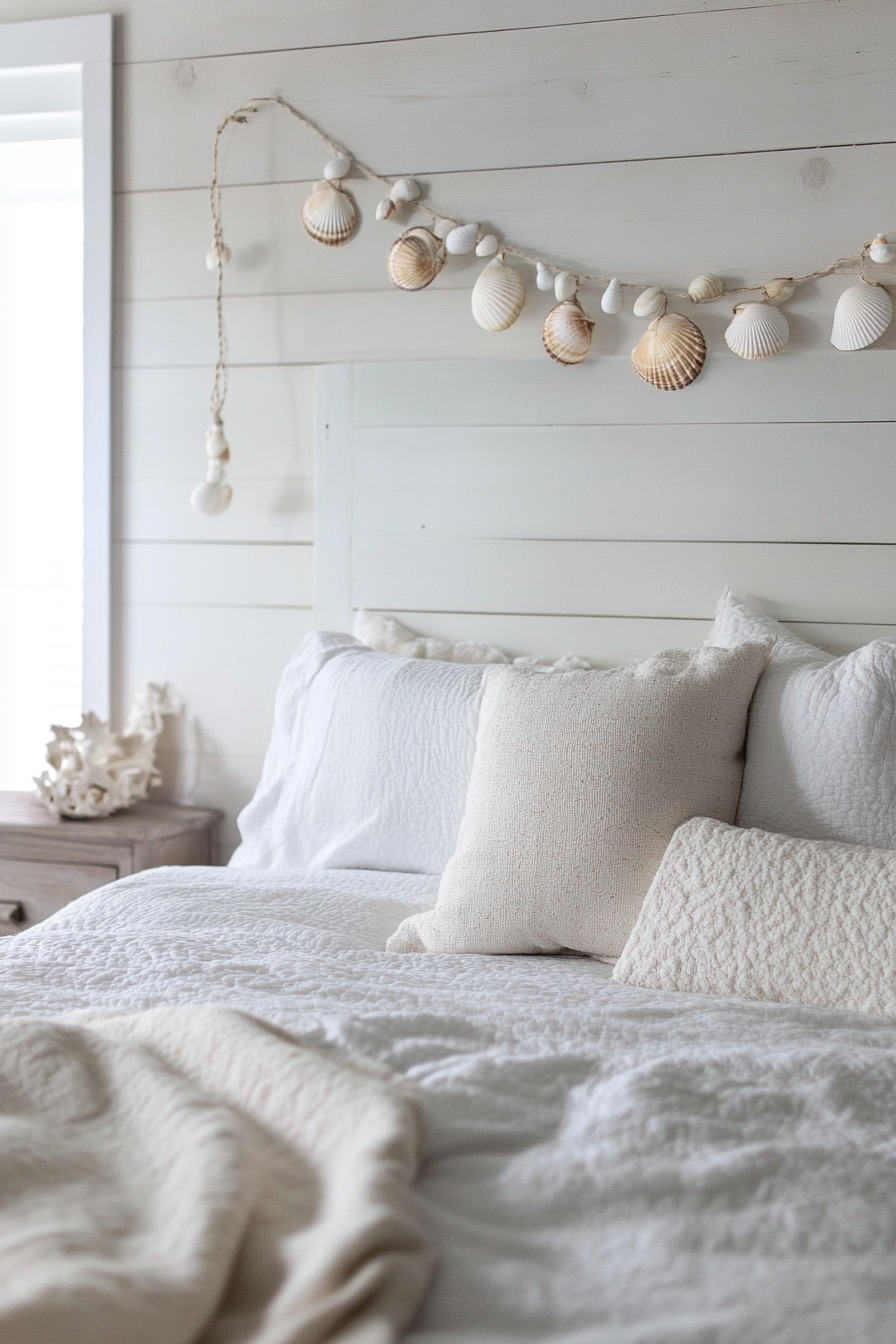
[{"x": 95, "y": 772}]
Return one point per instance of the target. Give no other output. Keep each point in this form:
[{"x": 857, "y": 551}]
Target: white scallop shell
[
  {"x": 566, "y": 334},
  {"x": 881, "y": 251},
  {"x": 544, "y": 277},
  {"x": 211, "y": 497},
  {"x": 385, "y": 208},
  {"x": 565, "y": 286},
  {"x": 758, "y": 331},
  {"x": 612, "y": 298},
  {"x": 498, "y": 296},
  {"x": 462, "y": 239},
  {"x": 780, "y": 289},
  {"x": 706, "y": 287},
  {"x": 329, "y": 214},
  {"x": 337, "y": 168},
  {"x": 415, "y": 259},
  {"x": 671, "y": 352},
  {"x": 863, "y": 313},
  {"x": 651, "y": 302},
  {"x": 404, "y": 190},
  {"x": 211, "y": 256},
  {"x": 487, "y": 246}
]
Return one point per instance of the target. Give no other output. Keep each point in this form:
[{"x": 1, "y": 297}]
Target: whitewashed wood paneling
[
  {"x": 219, "y": 779},
  {"x": 216, "y": 575},
  {"x": 276, "y": 509}
]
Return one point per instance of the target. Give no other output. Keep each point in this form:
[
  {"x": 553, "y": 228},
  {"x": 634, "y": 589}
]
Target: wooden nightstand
[{"x": 45, "y": 861}]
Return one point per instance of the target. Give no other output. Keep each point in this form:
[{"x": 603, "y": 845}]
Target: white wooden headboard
[{"x": 518, "y": 503}]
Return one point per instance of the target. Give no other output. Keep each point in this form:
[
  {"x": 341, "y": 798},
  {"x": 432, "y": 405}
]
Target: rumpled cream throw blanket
[{"x": 192, "y": 1174}]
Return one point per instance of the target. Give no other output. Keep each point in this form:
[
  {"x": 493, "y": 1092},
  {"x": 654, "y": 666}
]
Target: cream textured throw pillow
[
  {"x": 766, "y": 916},
  {"x": 579, "y": 780}
]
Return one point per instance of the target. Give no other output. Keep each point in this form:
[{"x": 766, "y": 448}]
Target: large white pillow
[
  {"x": 821, "y": 743},
  {"x": 368, "y": 764},
  {"x": 765, "y": 916},
  {"x": 579, "y": 781}
]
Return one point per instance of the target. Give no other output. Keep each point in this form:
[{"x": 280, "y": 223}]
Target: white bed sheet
[{"x": 605, "y": 1165}]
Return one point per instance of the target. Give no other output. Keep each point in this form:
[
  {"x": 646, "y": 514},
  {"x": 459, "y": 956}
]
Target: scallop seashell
[
  {"x": 612, "y": 298},
  {"x": 780, "y": 289},
  {"x": 566, "y": 333},
  {"x": 487, "y": 246},
  {"x": 462, "y": 239},
  {"x": 863, "y": 313},
  {"x": 544, "y": 276},
  {"x": 404, "y": 190},
  {"x": 338, "y": 168},
  {"x": 706, "y": 287},
  {"x": 650, "y": 302},
  {"x": 443, "y": 227},
  {"x": 415, "y": 258},
  {"x": 329, "y": 214},
  {"x": 211, "y": 256},
  {"x": 211, "y": 497},
  {"x": 498, "y": 296},
  {"x": 565, "y": 285},
  {"x": 385, "y": 208},
  {"x": 758, "y": 331},
  {"x": 881, "y": 251},
  {"x": 671, "y": 352}
]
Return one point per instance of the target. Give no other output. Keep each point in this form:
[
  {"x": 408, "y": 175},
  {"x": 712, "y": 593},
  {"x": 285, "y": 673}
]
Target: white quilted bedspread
[{"x": 605, "y": 1165}]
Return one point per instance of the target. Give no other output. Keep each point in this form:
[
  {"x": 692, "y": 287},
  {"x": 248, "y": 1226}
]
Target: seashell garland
[
  {"x": 415, "y": 259},
  {"x": 780, "y": 289},
  {"x": 863, "y": 313},
  {"x": 566, "y": 333},
  {"x": 329, "y": 214},
  {"x": 671, "y": 352},
  {"x": 385, "y": 208},
  {"x": 404, "y": 190},
  {"x": 337, "y": 168},
  {"x": 758, "y": 331},
  {"x": 612, "y": 298},
  {"x": 211, "y": 256},
  {"x": 487, "y": 246},
  {"x": 544, "y": 277},
  {"x": 706, "y": 287},
  {"x": 498, "y": 296},
  {"x": 881, "y": 251},
  {"x": 213, "y": 495},
  {"x": 651, "y": 302},
  {"x": 565, "y": 286},
  {"x": 462, "y": 239}
]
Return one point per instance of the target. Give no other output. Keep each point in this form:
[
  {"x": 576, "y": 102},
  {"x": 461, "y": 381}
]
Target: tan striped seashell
[
  {"x": 329, "y": 214},
  {"x": 566, "y": 334},
  {"x": 863, "y": 313},
  {"x": 758, "y": 331},
  {"x": 415, "y": 258},
  {"x": 780, "y": 289},
  {"x": 671, "y": 352},
  {"x": 498, "y": 296}
]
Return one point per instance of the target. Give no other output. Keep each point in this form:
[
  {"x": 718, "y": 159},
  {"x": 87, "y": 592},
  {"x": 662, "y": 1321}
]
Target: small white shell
[
  {"x": 404, "y": 190},
  {"x": 566, "y": 334},
  {"x": 565, "y": 286},
  {"x": 612, "y": 298},
  {"x": 216, "y": 445},
  {"x": 211, "y": 497},
  {"x": 329, "y": 214},
  {"x": 337, "y": 169},
  {"x": 881, "y": 251},
  {"x": 863, "y": 313},
  {"x": 385, "y": 208},
  {"x": 487, "y": 246},
  {"x": 415, "y": 259},
  {"x": 671, "y": 352},
  {"x": 443, "y": 227},
  {"x": 544, "y": 276},
  {"x": 706, "y": 287},
  {"x": 651, "y": 302},
  {"x": 780, "y": 289},
  {"x": 758, "y": 331},
  {"x": 462, "y": 239},
  {"x": 211, "y": 256},
  {"x": 498, "y": 296}
]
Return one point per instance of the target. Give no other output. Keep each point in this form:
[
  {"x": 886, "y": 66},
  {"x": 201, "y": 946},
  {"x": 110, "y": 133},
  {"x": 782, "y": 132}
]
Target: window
[{"x": 55, "y": 278}]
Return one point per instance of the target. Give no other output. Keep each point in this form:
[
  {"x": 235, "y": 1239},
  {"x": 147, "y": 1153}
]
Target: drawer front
[{"x": 40, "y": 889}]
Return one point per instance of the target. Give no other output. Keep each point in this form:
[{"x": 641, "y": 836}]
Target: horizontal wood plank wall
[{"x": 648, "y": 138}]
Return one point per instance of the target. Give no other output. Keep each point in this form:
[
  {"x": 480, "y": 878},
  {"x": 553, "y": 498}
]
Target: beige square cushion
[
  {"x": 763, "y": 916},
  {"x": 579, "y": 780}
]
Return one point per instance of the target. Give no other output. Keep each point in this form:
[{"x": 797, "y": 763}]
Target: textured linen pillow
[
  {"x": 368, "y": 765},
  {"x": 765, "y": 916},
  {"x": 821, "y": 742},
  {"x": 579, "y": 780}
]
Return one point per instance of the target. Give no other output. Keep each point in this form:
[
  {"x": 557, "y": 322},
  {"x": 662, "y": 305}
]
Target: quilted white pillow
[
  {"x": 579, "y": 780},
  {"x": 368, "y": 764},
  {"x": 821, "y": 744},
  {"x": 768, "y": 917}
]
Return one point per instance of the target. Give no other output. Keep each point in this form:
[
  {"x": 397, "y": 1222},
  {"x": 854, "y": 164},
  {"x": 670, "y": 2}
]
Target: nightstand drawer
[{"x": 43, "y": 888}]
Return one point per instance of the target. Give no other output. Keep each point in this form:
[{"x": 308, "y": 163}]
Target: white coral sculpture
[{"x": 95, "y": 772}]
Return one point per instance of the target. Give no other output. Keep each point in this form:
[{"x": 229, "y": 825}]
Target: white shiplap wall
[{"x": 636, "y": 135}]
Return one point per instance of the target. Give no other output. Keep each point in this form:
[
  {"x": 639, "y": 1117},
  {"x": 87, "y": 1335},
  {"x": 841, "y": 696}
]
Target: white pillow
[
  {"x": 766, "y": 916},
  {"x": 821, "y": 744},
  {"x": 579, "y": 780},
  {"x": 368, "y": 765}
]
